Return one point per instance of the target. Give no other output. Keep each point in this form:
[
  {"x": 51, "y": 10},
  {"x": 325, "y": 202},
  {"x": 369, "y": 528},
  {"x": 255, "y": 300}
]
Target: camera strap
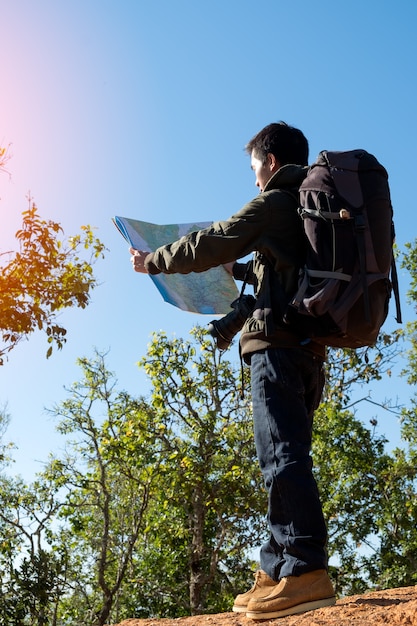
[{"x": 248, "y": 271}]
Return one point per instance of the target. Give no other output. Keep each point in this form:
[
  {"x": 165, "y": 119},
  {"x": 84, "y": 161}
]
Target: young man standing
[{"x": 286, "y": 371}]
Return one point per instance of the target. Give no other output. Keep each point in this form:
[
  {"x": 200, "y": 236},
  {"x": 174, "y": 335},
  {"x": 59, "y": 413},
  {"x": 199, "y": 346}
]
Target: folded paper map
[{"x": 209, "y": 292}]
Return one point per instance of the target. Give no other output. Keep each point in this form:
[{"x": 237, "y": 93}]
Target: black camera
[{"x": 225, "y": 329}]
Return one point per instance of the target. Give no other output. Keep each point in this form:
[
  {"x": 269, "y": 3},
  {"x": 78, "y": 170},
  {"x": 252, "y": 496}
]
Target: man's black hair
[{"x": 286, "y": 143}]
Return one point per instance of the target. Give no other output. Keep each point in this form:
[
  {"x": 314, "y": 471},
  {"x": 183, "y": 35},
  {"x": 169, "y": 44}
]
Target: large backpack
[{"x": 346, "y": 284}]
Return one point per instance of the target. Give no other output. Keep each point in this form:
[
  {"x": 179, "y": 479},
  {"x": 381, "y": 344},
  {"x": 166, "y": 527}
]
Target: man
[{"x": 286, "y": 371}]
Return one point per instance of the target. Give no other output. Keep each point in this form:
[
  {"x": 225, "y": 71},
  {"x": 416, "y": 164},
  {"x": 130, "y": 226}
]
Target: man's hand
[{"x": 138, "y": 260}]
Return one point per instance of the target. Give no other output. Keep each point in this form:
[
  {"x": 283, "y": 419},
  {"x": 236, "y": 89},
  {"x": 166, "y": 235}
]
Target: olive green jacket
[{"x": 268, "y": 225}]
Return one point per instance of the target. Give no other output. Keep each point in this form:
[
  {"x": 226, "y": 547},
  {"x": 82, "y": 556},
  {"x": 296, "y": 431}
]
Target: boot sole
[
  {"x": 292, "y": 610},
  {"x": 239, "y": 609}
]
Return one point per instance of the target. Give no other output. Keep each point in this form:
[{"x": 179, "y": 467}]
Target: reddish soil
[{"x": 392, "y": 607}]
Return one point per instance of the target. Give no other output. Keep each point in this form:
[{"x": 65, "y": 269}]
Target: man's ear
[{"x": 273, "y": 163}]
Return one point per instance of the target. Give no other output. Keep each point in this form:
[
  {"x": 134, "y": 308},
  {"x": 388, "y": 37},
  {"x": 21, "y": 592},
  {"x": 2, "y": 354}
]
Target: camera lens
[{"x": 227, "y": 327}]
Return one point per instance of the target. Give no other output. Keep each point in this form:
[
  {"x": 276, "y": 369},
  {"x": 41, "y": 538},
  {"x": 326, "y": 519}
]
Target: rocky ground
[{"x": 393, "y": 607}]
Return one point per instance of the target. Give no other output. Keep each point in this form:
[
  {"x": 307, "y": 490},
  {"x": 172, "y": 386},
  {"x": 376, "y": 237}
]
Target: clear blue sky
[{"x": 142, "y": 109}]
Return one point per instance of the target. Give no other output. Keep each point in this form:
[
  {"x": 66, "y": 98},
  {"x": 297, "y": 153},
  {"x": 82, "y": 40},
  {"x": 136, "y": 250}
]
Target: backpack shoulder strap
[{"x": 394, "y": 281}]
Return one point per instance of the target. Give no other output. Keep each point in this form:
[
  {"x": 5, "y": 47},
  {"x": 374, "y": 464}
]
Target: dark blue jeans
[{"x": 287, "y": 384}]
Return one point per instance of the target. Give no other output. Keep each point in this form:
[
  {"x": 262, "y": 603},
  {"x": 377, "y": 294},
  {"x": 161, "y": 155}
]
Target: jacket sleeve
[
  {"x": 222, "y": 242},
  {"x": 150, "y": 265}
]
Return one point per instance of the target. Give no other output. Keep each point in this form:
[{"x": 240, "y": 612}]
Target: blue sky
[{"x": 143, "y": 109}]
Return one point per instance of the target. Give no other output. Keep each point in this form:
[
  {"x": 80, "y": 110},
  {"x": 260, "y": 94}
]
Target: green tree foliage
[
  {"x": 369, "y": 494},
  {"x": 46, "y": 275},
  {"x": 5, "y": 448},
  {"x": 208, "y": 512},
  {"x": 349, "y": 457},
  {"x": 107, "y": 477},
  {"x": 410, "y": 264},
  {"x": 33, "y": 571},
  {"x": 158, "y": 503},
  {"x": 166, "y": 486},
  {"x": 394, "y": 562}
]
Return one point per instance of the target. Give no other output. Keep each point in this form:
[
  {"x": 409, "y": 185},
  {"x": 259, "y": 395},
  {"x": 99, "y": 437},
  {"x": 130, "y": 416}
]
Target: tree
[
  {"x": 351, "y": 458},
  {"x": 46, "y": 275},
  {"x": 107, "y": 477},
  {"x": 33, "y": 571},
  {"x": 168, "y": 481},
  {"x": 207, "y": 514},
  {"x": 409, "y": 262},
  {"x": 5, "y": 448},
  {"x": 369, "y": 495},
  {"x": 159, "y": 502},
  {"x": 205, "y": 504},
  {"x": 394, "y": 562}
]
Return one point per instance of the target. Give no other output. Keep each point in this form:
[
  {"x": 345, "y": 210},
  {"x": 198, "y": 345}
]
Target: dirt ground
[{"x": 393, "y": 607}]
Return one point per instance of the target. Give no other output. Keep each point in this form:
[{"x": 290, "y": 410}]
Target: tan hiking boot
[
  {"x": 262, "y": 587},
  {"x": 294, "y": 594}
]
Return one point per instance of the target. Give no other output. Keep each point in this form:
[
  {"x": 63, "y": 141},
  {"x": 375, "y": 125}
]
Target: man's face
[{"x": 263, "y": 171}]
